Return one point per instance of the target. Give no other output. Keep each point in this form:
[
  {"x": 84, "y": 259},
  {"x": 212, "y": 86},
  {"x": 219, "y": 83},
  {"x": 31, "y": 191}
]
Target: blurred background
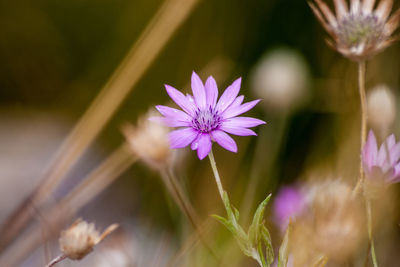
[{"x": 55, "y": 58}]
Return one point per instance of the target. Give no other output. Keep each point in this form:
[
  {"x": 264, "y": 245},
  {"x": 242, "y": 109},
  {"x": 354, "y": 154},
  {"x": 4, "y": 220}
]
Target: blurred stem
[
  {"x": 177, "y": 193},
  {"x": 270, "y": 139},
  {"x": 363, "y": 134},
  {"x": 371, "y": 238},
  {"x": 321, "y": 262},
  {"x": 55, "y": 215},
  {"x": 216, "y": 175},
  {"x": 56, "y": 260}
]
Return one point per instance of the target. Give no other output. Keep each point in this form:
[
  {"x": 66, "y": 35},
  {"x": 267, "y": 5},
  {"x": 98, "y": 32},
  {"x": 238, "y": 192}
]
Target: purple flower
[
  {"x": 289, "y": 203},
  {"x": 204, "y": 120},
  {"x": 383, "y": 163}
]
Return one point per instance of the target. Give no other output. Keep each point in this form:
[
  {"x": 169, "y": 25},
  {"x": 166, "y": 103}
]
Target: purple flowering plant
[
  {"x": 382, "y": 163},
  {"x": 204, "y": 119}
]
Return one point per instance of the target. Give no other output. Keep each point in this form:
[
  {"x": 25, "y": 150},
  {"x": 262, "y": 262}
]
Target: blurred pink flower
[
  {"x": 204, "y": 120},
  {"x": 289, "y": 203},
  {"x": 383, "y": 163}
]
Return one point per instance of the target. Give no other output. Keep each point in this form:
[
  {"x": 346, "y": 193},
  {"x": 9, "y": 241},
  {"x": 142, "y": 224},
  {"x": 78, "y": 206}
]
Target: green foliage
[
  {"x": 257, "y": 237},
  {"x": 284, "y": 249}
]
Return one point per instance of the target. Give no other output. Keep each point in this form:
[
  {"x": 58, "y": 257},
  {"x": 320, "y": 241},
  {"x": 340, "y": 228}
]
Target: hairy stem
[
  {"x": 371, "y": 238},
  {"x": 257, "y": 255},
  {"x": 56, "y": 260},
  {"x": 216, "y": 175},
  {"x": 363, "y": 132}
]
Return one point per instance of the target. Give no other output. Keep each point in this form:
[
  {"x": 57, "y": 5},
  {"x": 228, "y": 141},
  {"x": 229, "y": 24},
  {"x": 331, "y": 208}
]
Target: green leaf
[
  {"x": 238, "y": 234},
  {"x": 284, "y": 249},
  {"x": 226, "y": 223},
  {"x": 236, "y": 213},
  {"x": 228, "y": 207},
  {"x": 255, "y": 229},
  {"x": 268, "y": 245}
]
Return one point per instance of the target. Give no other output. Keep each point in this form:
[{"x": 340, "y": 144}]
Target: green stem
[
  {"x": 224, "y": 197},
  {"x": 371, "y": 239},
  {"x": 216, "y": 175}
]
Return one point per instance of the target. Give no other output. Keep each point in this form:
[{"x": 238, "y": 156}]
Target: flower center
[
  {"x": 359, "y": 29},
  {"x": 206, "y": 121}
]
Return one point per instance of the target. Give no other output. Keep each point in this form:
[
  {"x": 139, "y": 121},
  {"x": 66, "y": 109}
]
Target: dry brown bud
[
  {"x": 281, "y": 79},
  {"x": 332, "y": 227},
  {"x": 381, "y": 107},
  {"x": 149, "y": 141},
  {"x": 80, "y": 238}
]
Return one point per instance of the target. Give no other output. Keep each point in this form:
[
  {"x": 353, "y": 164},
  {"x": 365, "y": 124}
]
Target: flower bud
[
  {"x": 149, "y": 141},
  {"x": 281, "y": 79},
  {"x": 381, "y": 107},
  {"x": 80, "y": 238}
]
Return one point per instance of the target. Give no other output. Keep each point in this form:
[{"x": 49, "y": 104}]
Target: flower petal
[
  {"x": 182, "y": 137},
  {"x": 383, "y": 9},
  {"x": 355, "y": 6},
  {"x": 321, "y": 19},
  {"x": 390, "y": 141},
  {"x": 198, "y": 90},
  {"x": 204, "y": 145},
  {"x": 340, "y": 8},
  {"x": 180, "y": 99},
  {"x": 236, "y": 103},
  {"x": 234, "y": 111},
  {"x": 395, "y": 178},
  {"x": 393, "y": 23},
  {"x": 237, "y": 130},
  {"x": 394, "y": 154},
  {"x": 224, "y": 140},
  {"x": 381, "y": 159},
  {"x": 173, "y": 113},
  {"x": 368, "y": 5},
  {"x": 171, "y": 122},
  {"x": 330, "y": 17},
  {"x": 370, "y": 151},
  {"x": 195, "y": 143},
  {"x": 229, "y": 95},
  {"x": 244, "y": 122},
  {"x": 211, "y": 92}
]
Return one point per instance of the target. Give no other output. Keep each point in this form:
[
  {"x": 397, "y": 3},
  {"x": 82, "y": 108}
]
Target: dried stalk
[
  {"x": 98, "y": 180},
  {"x": 160, "y": 29}
]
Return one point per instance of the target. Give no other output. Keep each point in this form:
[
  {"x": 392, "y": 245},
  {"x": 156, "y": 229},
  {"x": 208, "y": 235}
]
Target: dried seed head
[
  {"x": 359, "y": 32},
  {"x": 149, "y": 141},
  {"x": 381, "y": 107},
  {"x": 333, "y": 226},
  {"x": 338, "y": 220},
  {"x": 281, "y": 79},
  {"x": 80, "y": 238}
]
